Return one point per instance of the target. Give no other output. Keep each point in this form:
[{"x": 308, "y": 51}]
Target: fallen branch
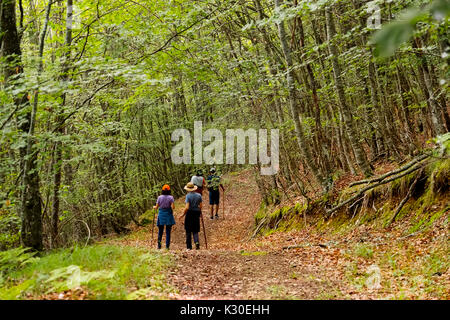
[
  {"x": 384, "y": 176},
  {"x": 369, "y": 187},
  {"x": 381, "y": 243},
  {"x": 405, "y": 199},
  {"x": 258, "y": 227}
]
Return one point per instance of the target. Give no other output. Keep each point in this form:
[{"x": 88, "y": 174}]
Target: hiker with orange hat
[{"x": 166, "y": 205}]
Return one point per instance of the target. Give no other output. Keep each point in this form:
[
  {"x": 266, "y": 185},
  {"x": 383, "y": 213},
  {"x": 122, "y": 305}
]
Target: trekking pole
[
  {"x": 223, "y": 205},
  {"x": 204, "y": 230}
]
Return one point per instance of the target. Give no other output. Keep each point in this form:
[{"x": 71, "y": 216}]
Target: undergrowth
[{"x": 104, "y": 272}]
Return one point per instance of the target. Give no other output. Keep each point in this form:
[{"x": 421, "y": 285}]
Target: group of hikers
[{"x": 192, "y": 213}]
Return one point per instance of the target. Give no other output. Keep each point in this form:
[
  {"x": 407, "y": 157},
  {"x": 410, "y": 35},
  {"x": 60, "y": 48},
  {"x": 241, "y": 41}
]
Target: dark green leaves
[{"x": 389, "y": 39}]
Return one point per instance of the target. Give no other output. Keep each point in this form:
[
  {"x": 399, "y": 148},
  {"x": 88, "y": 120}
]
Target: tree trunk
[
  {"x": 31, "y": 207},
  {"x": 360, "y": 154},
  {"x": 58, "y": 145},
  {"x": 427, "y": 87},
  {"x": 303, "y": 144},
  {"x": 31, "y": 216}
]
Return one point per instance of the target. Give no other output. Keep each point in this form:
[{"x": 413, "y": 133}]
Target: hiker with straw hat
[
  {"x": 166, "y": 204},
  {"x": 192, "y": 213}
]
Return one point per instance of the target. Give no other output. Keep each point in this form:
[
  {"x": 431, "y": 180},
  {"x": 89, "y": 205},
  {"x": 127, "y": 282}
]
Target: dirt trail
[
  {"x": 234, "y": 267},
  {"x": 320, "y": 266}
]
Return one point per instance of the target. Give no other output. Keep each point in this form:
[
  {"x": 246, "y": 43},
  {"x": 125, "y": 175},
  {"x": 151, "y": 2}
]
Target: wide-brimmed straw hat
[{"x": 190, "y": 187}]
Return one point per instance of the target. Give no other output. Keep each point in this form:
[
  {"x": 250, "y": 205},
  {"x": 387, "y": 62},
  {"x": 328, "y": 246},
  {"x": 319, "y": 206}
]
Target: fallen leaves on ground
[{"x": 312, "y": 265}]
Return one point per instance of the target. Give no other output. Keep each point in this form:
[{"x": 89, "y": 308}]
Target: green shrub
[{"x": 9, "y": 230}]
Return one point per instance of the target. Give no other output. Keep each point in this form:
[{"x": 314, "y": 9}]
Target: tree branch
[
  {"x": 176, "y": 34},
  {"x": 384, "y": 176},
  {"x": 81, "y": 105},
  {"x": 367, "y": 188}
]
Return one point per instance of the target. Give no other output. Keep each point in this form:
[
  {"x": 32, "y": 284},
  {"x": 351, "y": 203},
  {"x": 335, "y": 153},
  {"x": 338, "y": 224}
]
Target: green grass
[
  {"x": 363, "y": 250},
  {"x": 280, "y": 292},
  {"x": 427, "y": 219},
  {"x": 253, "y": 253},
  {"x": 416, "y": 276},
  {"x": 104, "y": 271},
  {"x": 355, "y": 277},
  {"x": 330, "y": 294}
]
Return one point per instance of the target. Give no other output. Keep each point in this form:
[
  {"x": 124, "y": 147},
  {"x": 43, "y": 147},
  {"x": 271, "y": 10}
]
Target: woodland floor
[{"x": 323, "y": 265}]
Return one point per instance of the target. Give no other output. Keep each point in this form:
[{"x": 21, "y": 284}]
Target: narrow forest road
[
  {"x": 318, "y": 265},
  {"x": 234, "y": 266}
]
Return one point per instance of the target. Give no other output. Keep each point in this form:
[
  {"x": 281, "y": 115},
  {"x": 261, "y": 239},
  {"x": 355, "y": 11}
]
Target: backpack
[
  {"x": 198, "y": 181},
  {"x": 213, "y": 182}
]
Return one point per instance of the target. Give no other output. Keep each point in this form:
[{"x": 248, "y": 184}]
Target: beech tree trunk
[
  {"x": 31, "y": 207},
  {"x": 304, "y": 146},
  {"x": 360, "y": 155},
  {"x": 58, "y": 146}
]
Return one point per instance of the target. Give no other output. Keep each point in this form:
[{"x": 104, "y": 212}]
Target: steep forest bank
[
  {"x": 394, "y": 234},
  {"x": 417, "y": 190}
]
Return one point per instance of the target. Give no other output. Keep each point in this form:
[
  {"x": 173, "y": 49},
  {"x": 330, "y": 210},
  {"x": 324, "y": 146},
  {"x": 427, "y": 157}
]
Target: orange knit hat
[{"x": 166, "y": 187}]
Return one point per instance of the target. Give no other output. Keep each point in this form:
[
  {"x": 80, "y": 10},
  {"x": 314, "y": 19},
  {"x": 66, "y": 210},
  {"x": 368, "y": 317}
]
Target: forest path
[
  {"x": 318, "y": 265},
  {"x": 235, "y": 266},
  {"x": 230, "y": 268}
]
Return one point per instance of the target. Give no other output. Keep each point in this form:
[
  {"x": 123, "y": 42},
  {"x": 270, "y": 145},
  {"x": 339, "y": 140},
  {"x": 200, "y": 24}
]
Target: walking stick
[
  {"x": 204, "y": 230},
  {"x": 223, "y": 205}
]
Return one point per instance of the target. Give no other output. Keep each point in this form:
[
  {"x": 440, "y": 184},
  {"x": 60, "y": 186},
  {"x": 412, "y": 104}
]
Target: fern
[
  {"x": 72, "y": 277},
  {"x": 14, "y": 259},
  {"x": 14, "y": 293}
]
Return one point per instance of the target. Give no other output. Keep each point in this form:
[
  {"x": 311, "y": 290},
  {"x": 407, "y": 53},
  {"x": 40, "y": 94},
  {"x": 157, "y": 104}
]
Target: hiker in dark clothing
[
  {"x": 213, "y": 184},
  {"x": 192, "y": 212},
  {"x": 199, "y": 181},
  {"x": 166, "y": 205}
]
